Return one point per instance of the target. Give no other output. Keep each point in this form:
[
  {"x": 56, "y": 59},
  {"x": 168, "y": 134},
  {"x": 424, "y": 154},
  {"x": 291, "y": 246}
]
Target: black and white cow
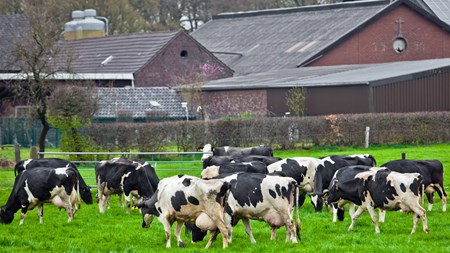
[
  {"x": 302, "y": 169},
  {"x": 209, "y": 150},
  {"x": 219, "y": 160},
  {"x": 85, "y": 190},
  {"x": 33, "y": 188},
  {"x": 325, "y": 172},
  {"x": 432, "y": 172},
  {"x": 375, "y": 187},
  {"x": 260, "y": 197},
  {"x": 252, "y": 167},
  {"x": 185, "y": 198},
  {"x": 124, "y": 176}
]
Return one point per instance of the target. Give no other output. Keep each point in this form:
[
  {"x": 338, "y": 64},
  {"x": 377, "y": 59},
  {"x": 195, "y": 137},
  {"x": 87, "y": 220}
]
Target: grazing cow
[
  {"x": 373, "y": 187},
  {"x": 228, "y": 168},
  {"x": 432, "y": 172},
  {"x": 302, "y": 169},
  {"x": 85, "y": 190},
  {"x": 325, "y": 172},
  {"x": 235, "y": 151},
  {"x": 124, "y": 176},
  {"x": 33, "y": 188},
  {"x": 185, "y": 198},
  {"x": 219, "y": 160},
  {"x": 260, "y": 197}
]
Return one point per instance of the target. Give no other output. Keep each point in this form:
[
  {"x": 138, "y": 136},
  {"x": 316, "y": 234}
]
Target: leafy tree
[
  {"x": 295, "y": 100},
  {"x": 70, "y": 108}
]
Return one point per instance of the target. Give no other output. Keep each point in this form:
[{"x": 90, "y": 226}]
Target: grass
[{"x": 115, "y": 231}]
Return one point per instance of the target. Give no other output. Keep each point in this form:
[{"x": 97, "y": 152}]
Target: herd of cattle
[{"x": 236, "y": 184}]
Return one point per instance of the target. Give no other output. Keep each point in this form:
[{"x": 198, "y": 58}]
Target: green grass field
[{"x": 115, "y": 231}]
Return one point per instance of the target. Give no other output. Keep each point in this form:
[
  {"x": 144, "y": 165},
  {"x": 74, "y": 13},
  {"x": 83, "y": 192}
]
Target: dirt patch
[{"x": 6, "y": 164}]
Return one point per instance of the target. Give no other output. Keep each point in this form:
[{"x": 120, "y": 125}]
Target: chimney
[{"x": 85, "y": 24}]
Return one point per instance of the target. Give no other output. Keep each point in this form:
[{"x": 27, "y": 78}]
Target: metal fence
[{"x": 165, "y": 163}]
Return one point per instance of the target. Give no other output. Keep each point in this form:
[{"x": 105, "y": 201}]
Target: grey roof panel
[
  {"x": 441, "y": 8},
  {"x": 129, "y": 52},
  {"x": 11, "y": 28},
  {"x": 281, "y": 38},
  {"x": 365, "y": 74},
  {"x": 138, "y": 101}
]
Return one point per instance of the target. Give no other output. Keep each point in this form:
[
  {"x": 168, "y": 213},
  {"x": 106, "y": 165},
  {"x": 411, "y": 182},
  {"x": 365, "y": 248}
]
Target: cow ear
[{"x": 140, "y": 204}]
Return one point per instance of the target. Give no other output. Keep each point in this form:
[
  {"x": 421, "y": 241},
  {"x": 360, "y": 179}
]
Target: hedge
[{"x": 283, "y": 133}]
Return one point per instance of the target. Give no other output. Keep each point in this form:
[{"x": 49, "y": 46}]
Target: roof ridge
[{"x": 300, "y": 9}]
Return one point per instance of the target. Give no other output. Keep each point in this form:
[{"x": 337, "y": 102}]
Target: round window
[{"x": 399, "y": 45}]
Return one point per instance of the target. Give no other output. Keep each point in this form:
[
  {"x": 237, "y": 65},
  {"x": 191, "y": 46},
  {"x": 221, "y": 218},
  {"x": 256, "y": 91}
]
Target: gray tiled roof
[
  {"x": 138, "y": 101},
  {"x": 11, "y": 27},
  {"x": 129, "y": 52},
  {"x": 280, "y": 38},
  {"x": 366, "y": 74}
]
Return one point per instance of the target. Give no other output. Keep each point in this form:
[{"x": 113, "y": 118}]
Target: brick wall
[
  {"x": 222, "y": 103},
  {"x": 182, "y": 61},
  {"x": 425, "y": 40}
]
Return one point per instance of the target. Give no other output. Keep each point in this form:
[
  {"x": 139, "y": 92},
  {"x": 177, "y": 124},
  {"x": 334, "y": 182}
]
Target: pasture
[{"x": 115, "y": 231}]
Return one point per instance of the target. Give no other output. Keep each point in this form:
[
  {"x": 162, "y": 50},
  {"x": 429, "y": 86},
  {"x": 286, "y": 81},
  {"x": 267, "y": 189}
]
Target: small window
[{"x": 184, "y": 54}]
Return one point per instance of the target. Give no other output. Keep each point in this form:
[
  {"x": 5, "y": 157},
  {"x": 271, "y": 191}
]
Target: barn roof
[
  {"x": 441, "y": 8},
  {"x": 140, "y": 102},
  {"x": 117, "y": 54},
  {"x": 261, "y": 41},
  {"x": 361, "y": 74},
  {"x": 11, "y": 27}
]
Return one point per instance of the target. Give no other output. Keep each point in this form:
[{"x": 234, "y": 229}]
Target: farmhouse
[
  {"x": 162, "y": 59},
  {"x": 328, "y": 49},
  {"x": 247, "y": 62}
]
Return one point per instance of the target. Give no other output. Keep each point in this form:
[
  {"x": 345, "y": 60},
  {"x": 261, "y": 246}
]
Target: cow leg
[
  {"x": 128, "y": 203},
  {"x": 212, "y": 238},
  {"x": 248, "y": 229},
  {"x": 430, "y": 198},
  {"x": 335, "y": 211},
  {"x": 382, "y": 215},
  {"x": 355, "y": 216},
  {"x": 419, "y": 212},
  {"x": 351, "y": 209},
  {"x": 178, "y": 234},
  {"x": 374, "y": 217},
  {"x": 40, "y": 209},
  {"x": 23, "y": 214},
  {"x": 167, "y": 226},
  {"x": 443, "y": 196}
]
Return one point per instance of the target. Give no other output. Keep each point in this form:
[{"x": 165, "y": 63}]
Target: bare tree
[
  {"x": 35, "y": 52},
  {"x": 296, "y": 100}
]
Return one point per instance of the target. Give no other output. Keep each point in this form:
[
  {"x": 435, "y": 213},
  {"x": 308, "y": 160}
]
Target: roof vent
[
  {"x": 107, "y": 60},
  {"x": 155, "y": 103}
]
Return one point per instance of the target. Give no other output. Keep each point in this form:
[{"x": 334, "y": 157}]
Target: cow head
[
  {"x": 210, "y": 172},
  {"x": 207, "y": 148},
  {"x": 86, "y": 194},
  {"x": 317, "y": 201},
  {"x": 6, "y": 216},
  {"x": 148, "y": 210}
]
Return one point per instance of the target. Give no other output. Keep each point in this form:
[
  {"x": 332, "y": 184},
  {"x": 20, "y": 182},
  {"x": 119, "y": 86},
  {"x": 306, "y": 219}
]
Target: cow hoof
[{"x": 181, "y": 244}]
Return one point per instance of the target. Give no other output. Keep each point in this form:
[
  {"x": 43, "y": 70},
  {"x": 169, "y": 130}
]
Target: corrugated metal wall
[{"x": 431, "y": 93}]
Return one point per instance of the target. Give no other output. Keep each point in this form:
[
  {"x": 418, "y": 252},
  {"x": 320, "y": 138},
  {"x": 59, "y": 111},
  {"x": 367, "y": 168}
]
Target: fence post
[
  {"x": 366, "y": 143},
  {"x": 17, "y": 152},
  {"x": 33, "y": 152},
  {"x": 403, "y": 155}
]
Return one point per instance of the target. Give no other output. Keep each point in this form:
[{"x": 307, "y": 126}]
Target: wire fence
[{"x": 165, "y": 163}]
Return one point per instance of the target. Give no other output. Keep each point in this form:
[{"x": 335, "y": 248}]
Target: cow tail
[
  {"x": 296, "y": 208},
  {"x": 78, "y": 195},
  {"x": 423, "y": 194}
]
